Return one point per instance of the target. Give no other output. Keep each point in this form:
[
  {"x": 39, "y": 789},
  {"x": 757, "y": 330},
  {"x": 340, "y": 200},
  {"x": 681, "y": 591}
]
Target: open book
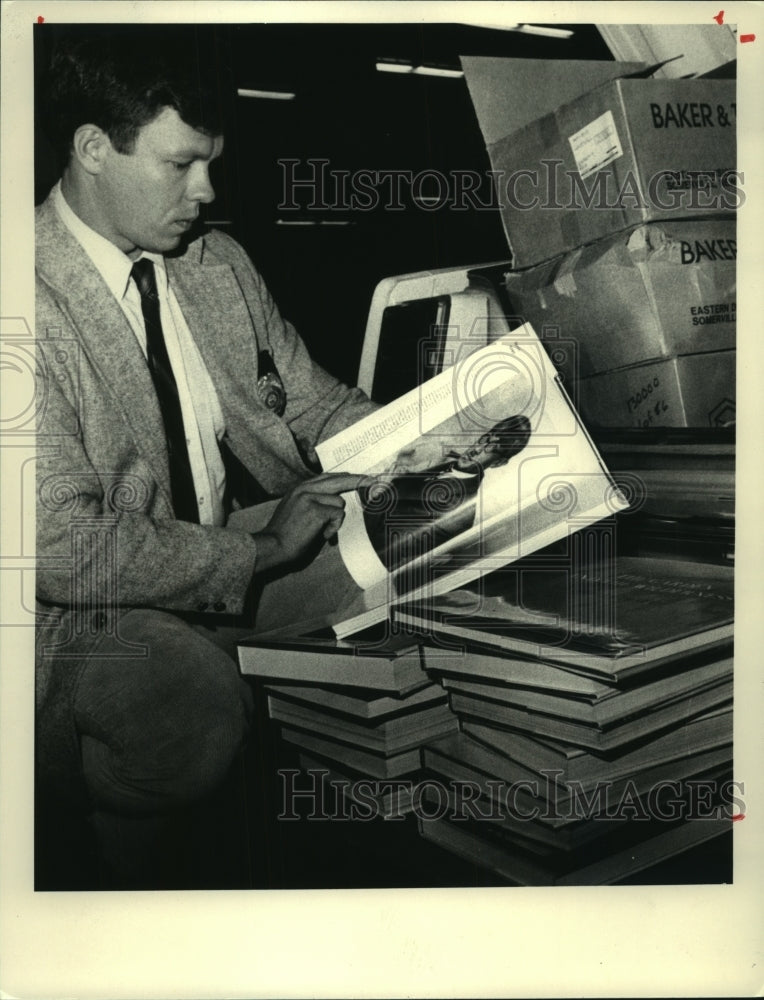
[{"x": 481, "y": 465}]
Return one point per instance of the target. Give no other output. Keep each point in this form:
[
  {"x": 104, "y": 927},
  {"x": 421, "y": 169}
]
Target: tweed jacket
[{"x": 107, "y": 538}]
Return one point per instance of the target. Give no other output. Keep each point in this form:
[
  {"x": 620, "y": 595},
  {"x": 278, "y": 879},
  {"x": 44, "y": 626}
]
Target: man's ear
[{"x": 90, "y": 147}]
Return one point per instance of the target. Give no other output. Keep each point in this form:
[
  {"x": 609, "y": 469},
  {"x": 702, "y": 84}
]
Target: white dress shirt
[{"x": 200, "y": 406}]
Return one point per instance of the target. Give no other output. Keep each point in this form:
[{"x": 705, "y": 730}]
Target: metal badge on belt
[{"x": 270, "y": 388}]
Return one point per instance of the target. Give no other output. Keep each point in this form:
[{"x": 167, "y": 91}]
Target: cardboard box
[
  {"x": 628, "y": 151},
  {"x": 653, "y": 292},
  {"x": 697, "y": 390}
]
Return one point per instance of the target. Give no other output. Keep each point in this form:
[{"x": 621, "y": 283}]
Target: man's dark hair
[{"x": 121, "y": 79}]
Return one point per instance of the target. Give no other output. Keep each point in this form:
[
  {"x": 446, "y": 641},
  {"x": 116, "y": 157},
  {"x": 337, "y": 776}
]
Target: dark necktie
[{"x": 181, "y": 479}]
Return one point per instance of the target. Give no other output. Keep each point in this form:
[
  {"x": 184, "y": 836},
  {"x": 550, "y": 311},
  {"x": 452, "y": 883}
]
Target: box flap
[
  {"x": 727, "y": 71},
  {"x": 648, "y": 71},
  {"x": 510, "y": 93}
]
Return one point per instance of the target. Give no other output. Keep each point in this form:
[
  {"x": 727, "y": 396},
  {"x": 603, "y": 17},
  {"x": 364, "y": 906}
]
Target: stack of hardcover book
[
  {"x": 595, "y": 710},
  {"x": 361, "y": 713}
]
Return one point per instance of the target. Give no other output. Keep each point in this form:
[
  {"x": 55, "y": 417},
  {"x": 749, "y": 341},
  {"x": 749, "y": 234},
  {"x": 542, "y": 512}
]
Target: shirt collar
[{"x": 113, "y": 265}]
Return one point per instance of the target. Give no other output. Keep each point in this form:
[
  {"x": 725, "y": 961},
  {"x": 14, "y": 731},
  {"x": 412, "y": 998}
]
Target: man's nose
[{"x": 200, "y": 189}]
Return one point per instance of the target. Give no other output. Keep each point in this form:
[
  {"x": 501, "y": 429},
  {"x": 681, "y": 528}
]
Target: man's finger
[{"x": 335, "y": 482}]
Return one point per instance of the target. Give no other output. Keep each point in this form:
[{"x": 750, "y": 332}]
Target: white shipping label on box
[{"x": 596, "y": 145}]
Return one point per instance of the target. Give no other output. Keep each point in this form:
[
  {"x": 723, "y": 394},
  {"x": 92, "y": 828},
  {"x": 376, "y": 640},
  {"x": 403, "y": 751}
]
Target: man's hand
[{"x": 311, "y": 510}]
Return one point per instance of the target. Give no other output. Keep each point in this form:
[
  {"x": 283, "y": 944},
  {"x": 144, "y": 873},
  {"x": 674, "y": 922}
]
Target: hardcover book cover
[{"x": 615, "y": 619}]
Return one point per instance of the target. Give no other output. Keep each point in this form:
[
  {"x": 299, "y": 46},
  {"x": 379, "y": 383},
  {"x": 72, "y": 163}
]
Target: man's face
[{"x": 147, "y": 199}]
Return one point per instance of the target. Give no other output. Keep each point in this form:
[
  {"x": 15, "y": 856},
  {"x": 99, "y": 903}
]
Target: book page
[{"x": 476, "y": 467}]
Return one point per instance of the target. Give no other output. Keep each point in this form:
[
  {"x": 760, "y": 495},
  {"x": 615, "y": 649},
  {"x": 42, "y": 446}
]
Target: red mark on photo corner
[
  {"x": 40, "y": 19},
  {"x": 738, "y": 816},
  {"x": 748, "y": 38},
  {"x": 719, "y": 18}
]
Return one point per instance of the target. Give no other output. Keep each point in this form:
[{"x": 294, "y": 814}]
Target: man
[
  {"x": 173, "y": 394},
  {"x": 415, "y": 511}
]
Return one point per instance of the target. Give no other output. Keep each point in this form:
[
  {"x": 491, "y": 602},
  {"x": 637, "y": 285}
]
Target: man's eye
[{"x": 181, "y": 165}]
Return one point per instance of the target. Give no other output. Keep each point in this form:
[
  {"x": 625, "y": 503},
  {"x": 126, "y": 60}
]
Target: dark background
[{"x": 346, "y": 112}]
